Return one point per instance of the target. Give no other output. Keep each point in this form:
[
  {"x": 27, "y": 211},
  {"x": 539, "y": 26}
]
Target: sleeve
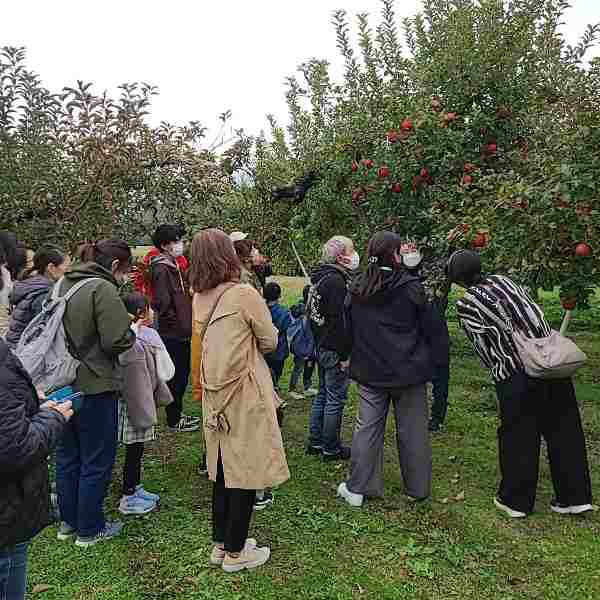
[
  {"x": 38, "y": 304},
  {"x": 474, "y": 327},
  {"x": 25, "y": 441},
  {"x": 196, "y": 365},
  {"x": 334, "y": 294},
  {"x": 161, "y": 298},
  {"x": 113, "y": 322},
  {"x": 258, "y": 316}
]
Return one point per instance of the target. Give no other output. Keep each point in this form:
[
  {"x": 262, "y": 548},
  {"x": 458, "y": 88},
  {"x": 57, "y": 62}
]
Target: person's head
[
  {"x": 12, "y": 256},
  {"x": 137, "y": 305},
  {"x": 340, "y": 250},
  {"x": 305, "y": 293},
  {"x": 168, "y": 238},
  {"x": 272, "y": 292},
  {"x": 113, "y": 254},
  {"x": 245, "y": 251},
  {"x": 464, "y": 268},
  {"x": 51, "y": 262},
  {"x": 214, "y": 260},
  {"x": 383, "y": 255}
]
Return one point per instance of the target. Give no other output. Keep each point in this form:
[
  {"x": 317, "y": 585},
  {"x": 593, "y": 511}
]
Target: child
[
  {"x": 282, "y": 319},
  {"x": 301, "y": 363},
  {"x": 146, "y": 368}
]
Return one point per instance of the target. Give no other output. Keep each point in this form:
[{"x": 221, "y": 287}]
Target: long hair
[
  {"x": 381, "y": 250},
  {"x": 214, "y": 260}
]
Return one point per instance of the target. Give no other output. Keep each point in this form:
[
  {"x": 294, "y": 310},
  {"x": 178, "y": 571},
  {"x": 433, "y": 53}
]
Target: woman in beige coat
[{"x": 243, "y": 441}]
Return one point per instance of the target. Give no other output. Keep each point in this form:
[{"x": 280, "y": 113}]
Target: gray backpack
[{"x": 43, "y": 348}]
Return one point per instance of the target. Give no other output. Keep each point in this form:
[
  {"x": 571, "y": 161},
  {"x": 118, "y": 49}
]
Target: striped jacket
[{"x": 493, "y": 345}]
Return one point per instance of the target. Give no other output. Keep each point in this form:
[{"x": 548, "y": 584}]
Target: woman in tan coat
[{"x": 243, "y": 441}]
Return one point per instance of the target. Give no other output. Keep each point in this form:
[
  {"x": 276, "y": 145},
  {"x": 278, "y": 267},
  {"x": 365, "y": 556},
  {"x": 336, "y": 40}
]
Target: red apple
[
  {"x": 423, "y": 173},
  {"x": 406, "y": 125},
  {"x": 392, "y": 136},
  {"x": 383, "y": 172},
  {"x": 568, "y": 303},
  {"x": 582, "y": 250},
  {"x": 354, "y": 166},
  {"x": 396, "y": 188},
  {"x": 469, "y": 167},
  {"x": 480, "y": 240},
  {"x": 491, "y": 148},
  {"x": 449, "y": 117},
  {"x": 367, "y": 163},
  {"x": 467, "y": 180}
]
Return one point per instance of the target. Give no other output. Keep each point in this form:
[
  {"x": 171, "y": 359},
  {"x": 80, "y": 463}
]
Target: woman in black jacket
[
  {"x": 28, "y": 433},
  {"x": 397, "y": 338}
]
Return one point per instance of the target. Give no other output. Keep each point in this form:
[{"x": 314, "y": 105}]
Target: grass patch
[{"x": 323, "y": 549}]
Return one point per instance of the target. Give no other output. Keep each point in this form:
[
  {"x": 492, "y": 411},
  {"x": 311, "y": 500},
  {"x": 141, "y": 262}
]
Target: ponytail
[{"x": 105, "y": 252}]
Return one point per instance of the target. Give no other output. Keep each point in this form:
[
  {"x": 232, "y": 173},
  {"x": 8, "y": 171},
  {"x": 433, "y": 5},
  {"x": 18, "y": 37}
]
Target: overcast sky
[{"x": 205, "y": 56}]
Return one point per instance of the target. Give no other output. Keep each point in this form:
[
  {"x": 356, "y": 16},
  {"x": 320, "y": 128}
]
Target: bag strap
[
  {"x": 485, "y": 310},
  {"x": 213, "y": 310},
  {"x": 56, "y": 290}
]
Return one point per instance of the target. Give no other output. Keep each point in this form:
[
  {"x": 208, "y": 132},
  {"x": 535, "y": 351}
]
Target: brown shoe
[{"x": 249, "y": 558}]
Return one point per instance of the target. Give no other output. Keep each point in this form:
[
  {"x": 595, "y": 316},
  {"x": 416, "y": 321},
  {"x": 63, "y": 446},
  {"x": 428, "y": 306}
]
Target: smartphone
[
  {"x": 60, "y": 394},
  {"x": 76, "y": 398}
]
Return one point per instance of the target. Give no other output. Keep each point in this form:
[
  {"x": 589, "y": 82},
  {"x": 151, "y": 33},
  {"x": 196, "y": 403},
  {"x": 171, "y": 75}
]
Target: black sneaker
[
  {"x": 262, "y": 503},
  {"x": 202, "y": 468},
  {"x": 313, "y": 450},
  {"x": 435, "y": 426},
  {"x": 343, "y": 454}
]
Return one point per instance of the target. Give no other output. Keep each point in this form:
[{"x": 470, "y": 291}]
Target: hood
[
  {"x": 163, "y": 259},
  {"x": 392, "y": 281},
  {"x": 87, "y": 270},
  {"x": 321, "y": 270},
  {"x": 22, "y": 289}
]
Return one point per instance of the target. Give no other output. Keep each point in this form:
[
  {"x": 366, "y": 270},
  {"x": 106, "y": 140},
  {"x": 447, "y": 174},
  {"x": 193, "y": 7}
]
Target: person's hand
[
  {"x": 344, "y": 364},
  {"x": 64, "y": 408},
  {"x": 40, "y": 393}
]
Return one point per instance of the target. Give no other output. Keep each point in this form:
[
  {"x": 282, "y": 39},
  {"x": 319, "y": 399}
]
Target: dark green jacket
[{"x": 97, "y": 327}]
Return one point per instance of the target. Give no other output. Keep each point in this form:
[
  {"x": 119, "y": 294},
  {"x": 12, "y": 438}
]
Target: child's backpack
[
  {"x": 301, "y": 339},
  {"x": 43, "y": 348}
]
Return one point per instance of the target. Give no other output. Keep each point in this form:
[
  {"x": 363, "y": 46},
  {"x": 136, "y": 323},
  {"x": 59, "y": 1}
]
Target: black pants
[
  {"x": 132, "y": 469},
  {"x": 276, "y": 367},
  {"x": 529, "y": 410},
  {"x": 231, "y": 513},
  {"x": 180, "y": 353}
]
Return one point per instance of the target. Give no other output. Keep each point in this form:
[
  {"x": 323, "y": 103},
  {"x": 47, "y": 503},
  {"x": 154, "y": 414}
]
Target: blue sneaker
[
  {"x": 135, "y": 505},
  {"x": 110, "y": 531},
  {"x": 140, "y": 492}
]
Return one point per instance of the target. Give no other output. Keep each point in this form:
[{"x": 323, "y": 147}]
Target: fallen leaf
[
  {"x": 444, "y": 500},
  {"x": 460, "y": 497},
  {"x": 40, "y": 588},
  {"x": 452, "y": 458}
]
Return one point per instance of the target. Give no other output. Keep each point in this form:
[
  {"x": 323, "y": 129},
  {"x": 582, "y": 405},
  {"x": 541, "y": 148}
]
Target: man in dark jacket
[
  {"x": 28, "y": 433},
  {"x": 326, "y": 314},
  {"x": 172, "y": 301}
]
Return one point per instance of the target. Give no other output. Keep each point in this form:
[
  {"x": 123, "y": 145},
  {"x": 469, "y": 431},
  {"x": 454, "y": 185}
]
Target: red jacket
[{"x": 141, "y": 282}]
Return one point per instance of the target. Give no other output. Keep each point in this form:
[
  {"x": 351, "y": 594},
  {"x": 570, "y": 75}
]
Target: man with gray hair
[{"x": 325, "y": 311}]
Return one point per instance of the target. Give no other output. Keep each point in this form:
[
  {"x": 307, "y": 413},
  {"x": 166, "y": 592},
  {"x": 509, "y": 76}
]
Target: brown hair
[
  {"x": 243, "y": 249},
  {"x": 214, "y": 260},
  {"x": 105, "y": 252}
]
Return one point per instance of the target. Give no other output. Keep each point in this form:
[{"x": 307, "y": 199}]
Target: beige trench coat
[{"x": 239, "y": 401}]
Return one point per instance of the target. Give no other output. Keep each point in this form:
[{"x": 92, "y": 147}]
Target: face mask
[
  {"x": 353, "y": 261},
  {"x": 177, "y": 249},
  {"x": 412, "y": 259}
]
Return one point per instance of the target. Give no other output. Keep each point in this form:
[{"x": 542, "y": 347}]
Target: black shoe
[
  {"x": 202, "y": 468},
  {"x": 262, "y": 503},
  {"x": 435, "y": 426},
  {"x": 312, "y": 451},
  {"x": 343, "y": 454}
]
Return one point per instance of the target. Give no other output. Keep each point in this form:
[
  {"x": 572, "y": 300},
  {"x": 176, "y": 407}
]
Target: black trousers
[
  {"x": 231, "y": 513},
  {"x": 529, "y": 410},
  {"x": 180, "y": 353},
  {"x": 132, "y": 469}
]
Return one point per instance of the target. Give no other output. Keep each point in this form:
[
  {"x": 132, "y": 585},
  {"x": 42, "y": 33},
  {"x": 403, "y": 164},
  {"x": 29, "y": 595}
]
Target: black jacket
[
  {"x": 27, "y": 436},
  {"x": 397, "y": 337},
  {"x": 171, "y": 298},
  {"x": 326, "y": 310},
  {"x": 27, "y": 299}
]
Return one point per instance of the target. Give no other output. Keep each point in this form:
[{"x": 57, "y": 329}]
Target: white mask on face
[
  {"x": 177, "y": 249},
  {"x": 412, "y": 259},
  {"x": 353, "y": 261}
]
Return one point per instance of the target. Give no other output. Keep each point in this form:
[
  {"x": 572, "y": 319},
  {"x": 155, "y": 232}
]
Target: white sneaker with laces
[{"x": 355, "y": 500}]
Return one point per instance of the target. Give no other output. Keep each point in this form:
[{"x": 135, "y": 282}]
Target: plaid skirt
[{"x": 129, "y": 434}]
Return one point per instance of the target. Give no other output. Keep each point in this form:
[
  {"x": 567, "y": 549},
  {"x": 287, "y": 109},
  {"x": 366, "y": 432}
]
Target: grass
[{"x": 323, "y": 549}]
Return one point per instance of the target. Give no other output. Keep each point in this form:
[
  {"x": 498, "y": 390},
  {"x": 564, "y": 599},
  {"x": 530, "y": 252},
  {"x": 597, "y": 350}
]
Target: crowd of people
[{"x": 213, "y": 317}]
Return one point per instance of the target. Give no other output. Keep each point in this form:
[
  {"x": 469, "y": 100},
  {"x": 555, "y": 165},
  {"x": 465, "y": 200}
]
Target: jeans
[
  {"x": 328, "y": 405},
  {"x": 13, "y": 572},
  {"x": 529, "y": 410},
  {"x": 84, "y": 463},
  {"x": 180, "y": 353},
  {"x": 302, "y": 365},
  {"x": 231, "y": 513},
  {"x": 439, "y": 408}
]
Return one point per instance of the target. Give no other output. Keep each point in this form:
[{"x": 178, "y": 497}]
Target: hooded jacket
[
  {"x": 397, "y": 336},
  {"x": 27, "y": 299},
  {"x": 326, "y": 310},
  {"x": 98, "y": 328},
  {"x": 171, "y": 298},
  {"x": 27, "y": 436},
  {"x": 141, "y": 283}
]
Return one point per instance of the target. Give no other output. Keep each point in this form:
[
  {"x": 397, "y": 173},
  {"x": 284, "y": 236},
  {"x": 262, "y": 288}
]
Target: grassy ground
[{"x": 455, "y": 546}]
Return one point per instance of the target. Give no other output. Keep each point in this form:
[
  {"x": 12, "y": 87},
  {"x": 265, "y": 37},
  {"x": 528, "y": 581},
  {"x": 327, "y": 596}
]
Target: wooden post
[{"x": 565, "y": 324}]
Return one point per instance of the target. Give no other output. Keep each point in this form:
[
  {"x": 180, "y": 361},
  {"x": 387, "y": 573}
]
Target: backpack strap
[
  {"x": 503, "y": 324},
  {"x": 56, "y": 290}
]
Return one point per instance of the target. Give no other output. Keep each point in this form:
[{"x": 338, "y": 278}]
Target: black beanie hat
[{"x": 464, "y": 266}]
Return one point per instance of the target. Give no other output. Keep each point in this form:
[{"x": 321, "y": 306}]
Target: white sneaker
[
  {"x": 351, "y": 498},
  {"x": 312, "y": 393},
  {"x": 296, "y": 396},
  {"x": 513, "y": 514},
  {"x": 249, "y": 558},
  {"x": 576, "y": 509}
]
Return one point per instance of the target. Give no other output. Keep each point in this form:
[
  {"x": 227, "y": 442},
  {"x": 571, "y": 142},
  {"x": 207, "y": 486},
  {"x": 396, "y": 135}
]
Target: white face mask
[
  {"x": 353, "y": 261},
  {"x": 177, "y": 249},
  {"x": 412, "y": 259}
]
